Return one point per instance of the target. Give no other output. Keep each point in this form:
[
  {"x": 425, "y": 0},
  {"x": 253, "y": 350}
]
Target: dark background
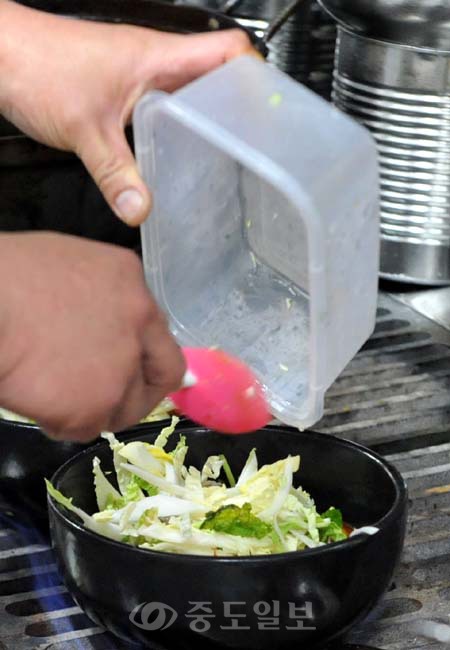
[{"x": 45, "y": 189}]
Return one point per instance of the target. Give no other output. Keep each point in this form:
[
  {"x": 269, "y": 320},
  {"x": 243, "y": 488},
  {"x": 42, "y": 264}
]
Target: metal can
[{"x": 392, "y": 73}]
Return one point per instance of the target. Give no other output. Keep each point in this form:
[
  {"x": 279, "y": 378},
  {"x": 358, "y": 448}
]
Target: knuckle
[
  {"x": 53, "y": 433},
  {"x": 123, "y": 420},
  {"x": 129, "y": 271},
  {"x": 86, "y": 434},
  {"x": 158, "y": 320},
  {"x": 168, "y": 376},
  {"x": 97, "y": 414},
  {"x": 239, "y": 39},
  {"x": 60, "y": 433},
  {"x": 55, "y": 427},
  {"x": 129, "y": 262},
  {"x": 110, "y": 401},
  {"x": 107, "y": 170},
  {"x": 161, "y": 318},
  {"x": 142, "y": 310},
  {"x": 242, "y": 37},
  {"x": 82, "y": 430}
]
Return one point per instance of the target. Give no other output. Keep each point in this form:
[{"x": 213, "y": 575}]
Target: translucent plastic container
[{"x": 263, "y": 238}]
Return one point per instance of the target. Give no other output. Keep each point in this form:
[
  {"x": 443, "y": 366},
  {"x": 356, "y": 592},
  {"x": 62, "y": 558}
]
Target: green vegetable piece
[
  {"x": 134, "y": 487},
  {"x": 288, "y": 526},
  {"x": 58, "y": 496},
  {"x": 132, "y": 492},
  {"x": 234, "y": 520},
  {"x": 181, "y": 444},
  {"x": 165, "y": 434},
  {"x": 227, "y": 469},
  {"x": 151, "y": 490},
  {"x": 334, "y": 532},
  {"x": 134, "y": 541},
  {"x": 114, "y": 504},
  {"x": 278, "y": 546},
  {"x": 275, "y": 99},
  {"x": 147, "y": 517}
]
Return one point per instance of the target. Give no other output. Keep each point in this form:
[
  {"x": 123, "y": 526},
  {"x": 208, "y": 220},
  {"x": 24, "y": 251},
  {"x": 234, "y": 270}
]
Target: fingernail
[{"x": 129, "y": 205}]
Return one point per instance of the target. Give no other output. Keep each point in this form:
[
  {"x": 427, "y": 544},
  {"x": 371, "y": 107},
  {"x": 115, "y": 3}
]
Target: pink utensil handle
[
  {"x": 189, "y": 380},
  {"x": 221, "y": 392}
]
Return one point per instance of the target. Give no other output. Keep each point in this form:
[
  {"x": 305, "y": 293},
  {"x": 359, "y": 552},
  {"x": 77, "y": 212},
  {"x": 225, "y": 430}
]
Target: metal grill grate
[
  {"x": 393, "y": 397},
  {"x": 421, "y": 590},
  {"x": 395, "y": 394}
]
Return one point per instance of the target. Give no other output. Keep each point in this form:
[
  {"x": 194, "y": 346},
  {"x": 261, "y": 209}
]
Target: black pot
[{"x": 338, "y": 584}]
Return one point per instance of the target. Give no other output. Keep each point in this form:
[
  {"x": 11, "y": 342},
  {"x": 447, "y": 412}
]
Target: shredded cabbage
[
  {"x": 160, "y": 503},
  {"x": 163, "y": 411},
  {"x": 14, "y": 417}
]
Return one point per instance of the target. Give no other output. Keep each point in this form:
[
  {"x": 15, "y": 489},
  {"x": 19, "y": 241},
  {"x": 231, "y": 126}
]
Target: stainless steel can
[
  {"x": 392, "y": 73},
  {"x": 304, "y": 45}
]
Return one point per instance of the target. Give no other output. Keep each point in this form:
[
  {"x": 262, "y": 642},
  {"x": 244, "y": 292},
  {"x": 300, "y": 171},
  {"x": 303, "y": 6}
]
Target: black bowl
[
  {"x": 27, "y": 456},
  {"x": 144, "y": 596}
]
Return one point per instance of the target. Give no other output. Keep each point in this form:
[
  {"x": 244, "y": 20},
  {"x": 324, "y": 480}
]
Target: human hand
[
  {"x": 83, "y": 345},
  {"x": 72, "y": 84}
]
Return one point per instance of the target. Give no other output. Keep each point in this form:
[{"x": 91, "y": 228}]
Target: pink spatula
[{"x": 221, "y": 393}]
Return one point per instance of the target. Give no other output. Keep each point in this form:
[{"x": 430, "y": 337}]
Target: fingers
[
  {"x": 186, "y": 58},
  {"x": 160, "y": 372},
  {"x": 173, "y": 61},
  {"x": 138, "y": 401},
  {"x": 83, "y": 435},
  {"x": 163, "y": 361},
  {"x": 109, "y": 160},
  {"x": 65, "y": 433}
]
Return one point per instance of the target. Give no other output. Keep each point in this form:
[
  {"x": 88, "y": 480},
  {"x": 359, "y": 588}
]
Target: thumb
[
  {"x": 108, "y": 158},
  {"x": 187, "y": 57}
]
